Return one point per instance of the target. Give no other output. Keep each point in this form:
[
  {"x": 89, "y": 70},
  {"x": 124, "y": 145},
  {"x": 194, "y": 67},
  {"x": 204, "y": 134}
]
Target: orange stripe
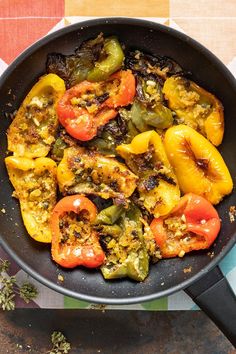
[{"x": 131, "y": 8}]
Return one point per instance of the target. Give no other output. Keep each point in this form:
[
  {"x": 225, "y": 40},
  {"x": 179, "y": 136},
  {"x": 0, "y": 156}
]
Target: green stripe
[
  {"x": 156, "y": 305},
  {"x": 71, "y": 303}
]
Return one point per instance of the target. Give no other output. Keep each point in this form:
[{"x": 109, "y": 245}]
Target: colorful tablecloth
[{"x": 212, "y": 23}]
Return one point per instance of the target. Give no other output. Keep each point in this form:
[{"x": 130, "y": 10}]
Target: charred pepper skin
[
  {"x": 83, "y": 116},
  {"x": 74, "y": 68},
  {"x": 83, "y": 171},
  {"x": 79, "y": 121},
  {"x": 159, "y": 189}
]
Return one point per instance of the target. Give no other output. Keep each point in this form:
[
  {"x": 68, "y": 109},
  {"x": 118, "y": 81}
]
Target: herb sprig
[
  {"x": 27, "y": 291},
  {"x": 60, "y": 344},
  {"x": 9, "y": 288}
]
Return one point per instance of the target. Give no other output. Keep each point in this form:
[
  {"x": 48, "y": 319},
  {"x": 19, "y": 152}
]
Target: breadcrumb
[
  {"x": 188, "y": 270},
  {"x": 60, "y": 277},
  {"x": 232, "y": 213}
]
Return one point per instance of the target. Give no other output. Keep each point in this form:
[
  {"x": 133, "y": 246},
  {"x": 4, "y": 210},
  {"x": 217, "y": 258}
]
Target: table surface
[
  {"x": 91, "y": 331},
  {"x": 117, "y": 332}
]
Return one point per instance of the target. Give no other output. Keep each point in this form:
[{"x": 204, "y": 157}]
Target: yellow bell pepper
[
  {"x": 82, "y": 171},
  {"x": 195, "y": 107},
  {"x": 35, "y": 186},
  {"x": 33, "y": 129},
  {"x": 157, "y": 185},
  {"x": 198, "y": 165}
]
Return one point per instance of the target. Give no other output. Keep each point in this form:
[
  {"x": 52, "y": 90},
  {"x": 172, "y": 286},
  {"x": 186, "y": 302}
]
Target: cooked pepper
[
  {"x": 126, "y": 254},
  {"x": 74, "y": 68},
  {"x": 74, "y": 241},
  {"x": 122, "y": 89},
  {"x": 33, "y": 129},
  {"x": 137, "y": 113},
  {"x": 198, "y": 165},
  {"x": 35, "y": 186},
  {"x": 87, "y": 106},
  {"x": 148, "y": 109},
  {"x": 145, "y": 65},
  {"x": 195, "y": 107},
  {"x": 84, "y": 171},
  {"x": 111, "y": 59},
  {"x": 149, "y": 90},
  {"x": 157, "y": 185},
  {"x": 117, "y": 131},
  {"x": 152, "y": 247},
  {"x": 192, "y": 225},
  {"x": 109, "y": 215},
  {"x": 143, "y": 117},
  {"x": 160, "y": 118},
  {"x": 58, "y": 149},
  {"x": 103, "y": 145},
  {"x": 112, "y": 230},
  {"x": 80, "y": 113}
]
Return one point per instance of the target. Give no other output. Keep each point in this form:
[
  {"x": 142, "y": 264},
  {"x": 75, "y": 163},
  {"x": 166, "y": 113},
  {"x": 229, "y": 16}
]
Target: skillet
[{"x": 205, "y": 283}]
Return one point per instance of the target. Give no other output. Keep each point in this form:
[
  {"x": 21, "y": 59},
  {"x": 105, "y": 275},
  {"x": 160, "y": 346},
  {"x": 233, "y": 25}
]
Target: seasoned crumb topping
[{"x": 232, "y": 213}]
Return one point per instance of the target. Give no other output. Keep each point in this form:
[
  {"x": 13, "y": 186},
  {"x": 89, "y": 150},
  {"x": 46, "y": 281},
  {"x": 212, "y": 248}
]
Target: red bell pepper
[
  {"x": 82, "y": 121},
  {"x": 125, "y": 90},
  {"x": 74, "y": 242},
  {"x": 192, "y": 225}
]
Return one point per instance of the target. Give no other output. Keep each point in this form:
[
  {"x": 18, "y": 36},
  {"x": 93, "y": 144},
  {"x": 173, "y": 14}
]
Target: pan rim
[
  {"x": 153, "y": 26},
  {"x": 123, "y": 300}
]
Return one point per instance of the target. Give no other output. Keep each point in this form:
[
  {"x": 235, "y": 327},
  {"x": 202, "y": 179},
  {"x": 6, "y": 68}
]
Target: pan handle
[{"x": 214, "y": 295}]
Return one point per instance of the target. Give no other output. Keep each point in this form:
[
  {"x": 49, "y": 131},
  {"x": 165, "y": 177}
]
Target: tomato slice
[
  {"x": 192, "y": 225},
  {"x": 83, "y": 108},
  {"x": 74, "y": 242}
]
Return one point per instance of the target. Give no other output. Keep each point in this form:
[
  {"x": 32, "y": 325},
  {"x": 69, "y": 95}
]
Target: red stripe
[
  {"x": 24, "y": 8},
  {"x": 17, "y": 35}
]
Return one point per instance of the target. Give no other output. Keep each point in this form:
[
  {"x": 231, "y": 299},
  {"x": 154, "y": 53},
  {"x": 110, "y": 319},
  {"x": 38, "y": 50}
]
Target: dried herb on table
[
  {"x": 9, "y": 288},
  {"x": 7, "y": 294},
  {"x": 4, "y": 265},
  {"x": 60, "y": 344},
  {"x": 27, "y": 292}
]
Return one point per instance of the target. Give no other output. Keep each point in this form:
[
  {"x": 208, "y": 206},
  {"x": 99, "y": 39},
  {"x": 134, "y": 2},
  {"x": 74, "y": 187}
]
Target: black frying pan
[{"x": 205, "y": 283}]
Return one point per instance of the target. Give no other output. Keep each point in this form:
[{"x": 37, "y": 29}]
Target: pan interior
[{"x": 167, "y": 275}]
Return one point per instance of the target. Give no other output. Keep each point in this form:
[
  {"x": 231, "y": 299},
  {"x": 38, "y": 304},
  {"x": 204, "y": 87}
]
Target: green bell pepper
[
  {"x": 109, "y": 215},
  {"x": 160, "y": 117},
  {"x": 106, "y": 144},
  {"x": 112, "y": 230},
  {"x": 137, "y": 116},
  {"x": 111, "y": 60},
  {"x": 143, "y": 117},
  {"x": 58, "y": 149},
  {"x": 126, "y": 253},
  {"x": 116, "y": 132}
]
